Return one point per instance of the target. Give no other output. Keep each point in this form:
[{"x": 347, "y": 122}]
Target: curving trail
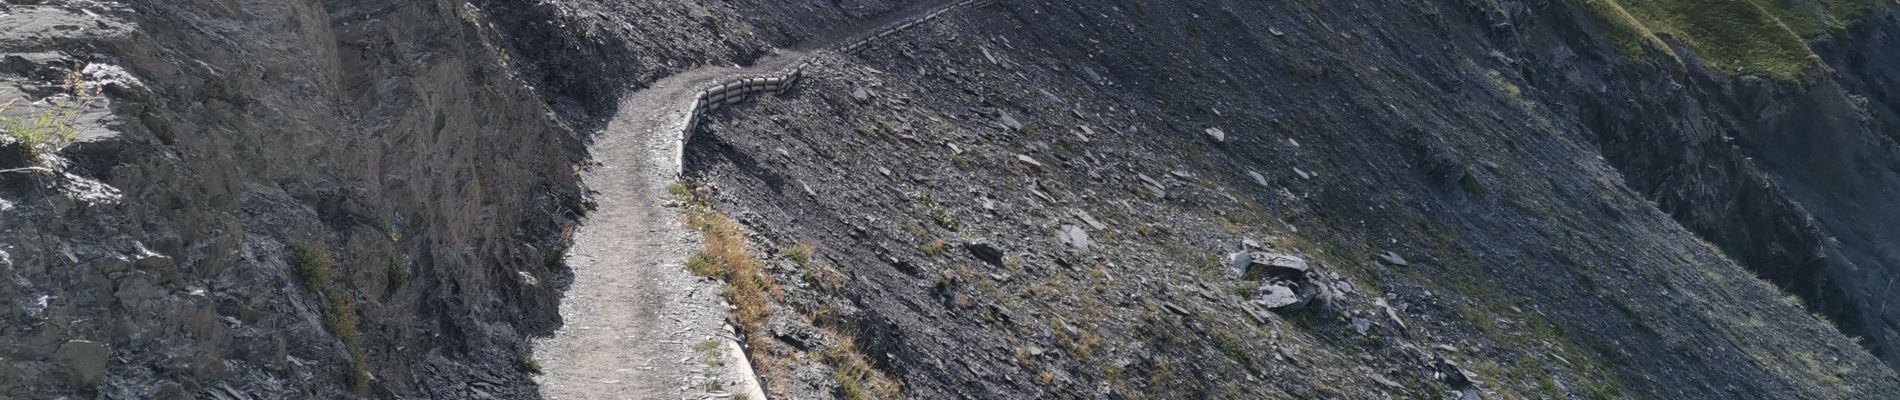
[{"x": 637, "y": 324}]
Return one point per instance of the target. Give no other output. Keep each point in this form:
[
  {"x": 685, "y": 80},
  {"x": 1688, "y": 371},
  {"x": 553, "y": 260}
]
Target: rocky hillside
[
  {"x": 1509, "y": 199},
  {"x": 1096, "y": 198}
]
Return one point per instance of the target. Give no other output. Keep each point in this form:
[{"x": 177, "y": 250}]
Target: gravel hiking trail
[{"x": 637, "y": 324}]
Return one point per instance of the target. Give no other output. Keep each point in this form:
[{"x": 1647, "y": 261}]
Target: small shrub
[
  {"x": 556, "y": 258},
  {"x": 702, "y": 265},
  {"x": 341, "y": 320},
  {"x": 679, "y": 190},
  {"x": 933, "y": 248},
  {"x": 824, "y": 278},
  {"x": 528, "y": 364},
  {"x": 312, "y": 264},
  {"x": 42, "y": 134},
  {"x": 50, "y": 130},
  {"x": 800, "y": 253}
]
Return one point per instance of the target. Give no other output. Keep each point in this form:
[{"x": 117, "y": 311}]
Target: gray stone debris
[
  {"x": 1394, "y": 259},
  {"x": 1257, "y": 178},
  {"x": 1090, "y": 220},
  {"x": 1470, "y": 394},
  {"x": 1454, "y": 375},
  {"x": 1283, "y": 296},
  {"x": 1009, "y": 121},
  {"x": 861, "y": 95},
  {"x": 1074, "y": 236},
  {"x": 1051, "y": 96},
  {"x": 1390, "y": 313},
  {"x": 1217, "y": 134},
  {"x": 1028, "y": 160},
  {"x": 1303, "y": 174},
  {"x": 1251, "y": 266},
  {"x": 986, "y": 252}
]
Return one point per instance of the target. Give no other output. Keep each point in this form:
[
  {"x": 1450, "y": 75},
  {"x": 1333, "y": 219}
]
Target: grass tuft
[
  {"x": 933, "y": 248},
  {"x": 727, "y": 257},
  {"x": 800, "y": 253},
  {"x": 855, "y": 376},
  {"x": 528, "y": 364},
  {"x": 48, "y": 131}
]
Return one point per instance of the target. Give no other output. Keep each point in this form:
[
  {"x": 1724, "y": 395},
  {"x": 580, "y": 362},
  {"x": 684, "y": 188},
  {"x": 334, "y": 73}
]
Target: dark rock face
[
  {"x": 156, "y": 260},
  {"x": 1795, "y": 181},
  {"x": 423, "y": 153}
]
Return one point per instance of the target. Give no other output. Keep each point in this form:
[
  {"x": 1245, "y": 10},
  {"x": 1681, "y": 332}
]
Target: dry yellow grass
[
  {"x": 727, "y": 257},
  {"x": 855, "y": 376}
]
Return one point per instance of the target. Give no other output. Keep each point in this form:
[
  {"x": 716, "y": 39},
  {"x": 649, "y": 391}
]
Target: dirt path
[
  {"x": 638, "y": 325},
  {"x": 634, "y": 317}
]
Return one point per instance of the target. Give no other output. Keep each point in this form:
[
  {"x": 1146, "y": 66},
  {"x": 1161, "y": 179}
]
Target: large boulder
[
  {"x": 986, "y": 252},
  {"x": 1256, "y": 266}
]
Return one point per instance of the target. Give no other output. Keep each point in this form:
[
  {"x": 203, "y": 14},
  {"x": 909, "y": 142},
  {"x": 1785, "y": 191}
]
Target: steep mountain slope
[
  {"x": 281, "y": 199},
  {"x": 1042, "y": 200},
  {"x": 1095, "y": 198}
]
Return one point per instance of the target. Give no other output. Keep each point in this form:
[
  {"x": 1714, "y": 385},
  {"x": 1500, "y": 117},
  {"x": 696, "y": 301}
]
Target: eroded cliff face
[
  {"x": 243, "y": 149},
  {"x": 1794, "y": 179}
]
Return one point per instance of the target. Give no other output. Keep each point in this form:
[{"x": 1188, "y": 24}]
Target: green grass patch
[
  {"x": 528, "y": 364},
  {"x": 312, "y": 263},
  {"x": 1744, "y": 37},
  {"x": 48, "y": 131}
]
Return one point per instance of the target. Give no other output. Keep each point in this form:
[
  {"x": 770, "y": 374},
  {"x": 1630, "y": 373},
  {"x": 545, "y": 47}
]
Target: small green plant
[
  {"x": 933, "y": 248},
  {"x": 555, "y": 258},
  {"x": 701, "y": 264},
  {"x": 528, "y": 364},
  {"x": 50, "y": 130},
  {"x": 42, "y": 134},
  {"x": 341, "y": 320},
  {"x": 679, "y": 190},
  {"x": 312, "y": 264},
  {"x": 1470, "y": 182}
]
